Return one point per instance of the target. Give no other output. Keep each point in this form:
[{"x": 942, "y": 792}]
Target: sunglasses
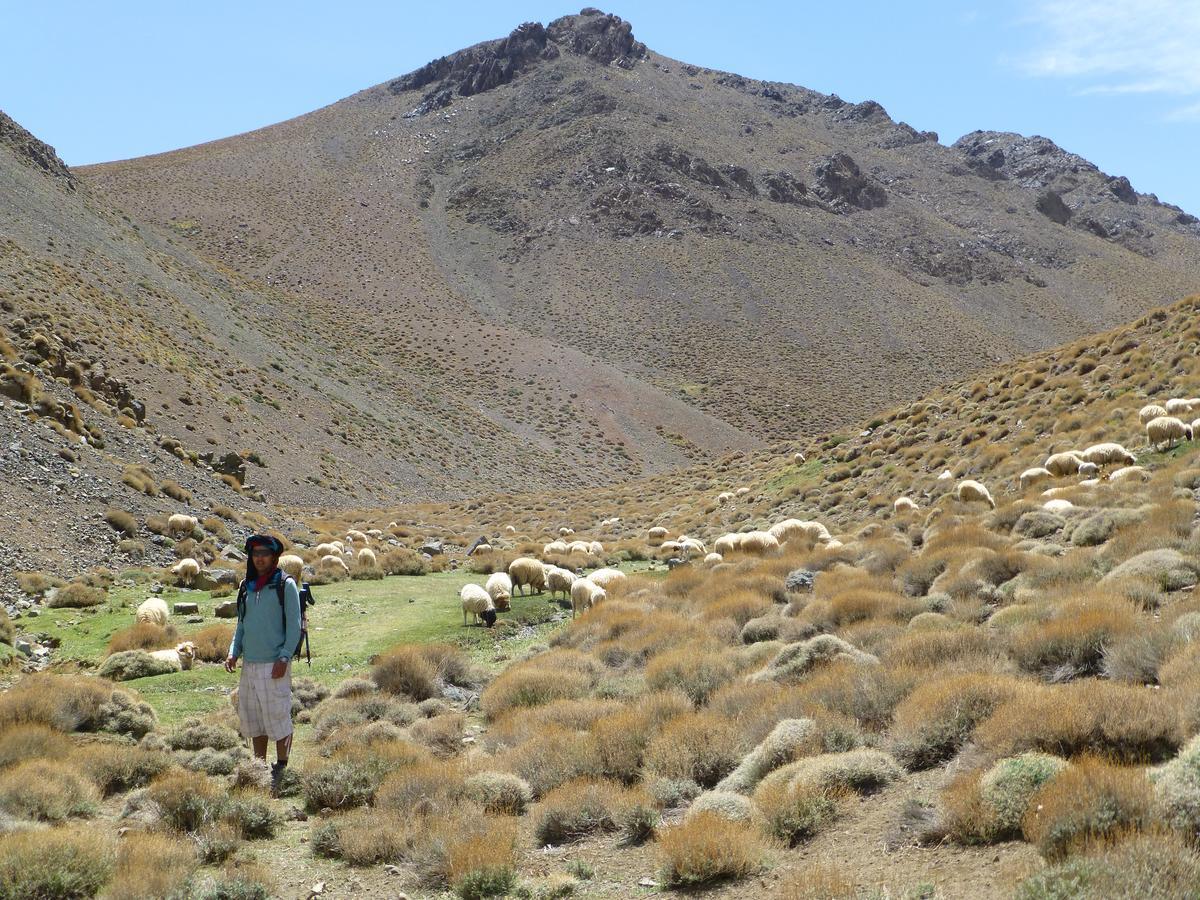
[{"x": 262, "y": 551}]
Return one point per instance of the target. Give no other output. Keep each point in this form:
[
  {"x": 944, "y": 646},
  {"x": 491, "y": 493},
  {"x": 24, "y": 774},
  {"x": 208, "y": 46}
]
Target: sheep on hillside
[
  {"x": 1151, "y": 411},
  {"x": 559, "y": 579},
  {"x": 946, "y": 475},
  {"x": 1088, "y": 469},
  {"x": 554, "y": 547},
  {"x": 757, "y": 543},
  {"x": 799, "y": 458},
  {"x": 186, "y": 570},
  {"x": 499, "y": 587},
  {"x": 180, "y": 523},
  {"x": 292, "y": 565},
  {"x": 690, "y": 546},
  {"x": 577, "y": 547},
  {"x": 366, "y": 558},
  {"x": 1033, "y": 476},
  {"x": 725, "y": 497},
  {"x": 1167, "y": 430},
  {"x": 180, "y": 658},
  {"x": 903, "y": 505},
  {"x": 656, "y": 535},
  {"x": 564, "y": 531},
  {"x": 326, "y": 549},
  {"x": 584, "y": 595},
  {"x": 475, "y": 600},
  {"x": 792, "y": 529},
  {"x": 741, "y": 492},
  {"x": 1178, "y": 406},
  {"x": 1108, "y": 453},
  {"x": 713, "y": 558},
  {"x": 970, "y": 491},
  {"x": 1135, "y": 473},
  {"x": 332, "y": 561},
  {"x": 527, "y": 572},
  {"x": 607, "y": 578},
  {"x": 355, "y": 537},
  {"x": 595, "y": 548},
  {"x": 1058, "y": 505},
  {"x": 727, "y": 543},
  {"x": 1064, "y": 463},
  {"x": 154, "y": 611}
]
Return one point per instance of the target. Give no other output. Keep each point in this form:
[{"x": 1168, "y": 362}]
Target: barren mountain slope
[{"x": 779, "y": 258}]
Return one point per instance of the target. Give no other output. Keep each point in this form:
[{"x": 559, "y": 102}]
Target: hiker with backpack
[{"x": 267, "y": 635}]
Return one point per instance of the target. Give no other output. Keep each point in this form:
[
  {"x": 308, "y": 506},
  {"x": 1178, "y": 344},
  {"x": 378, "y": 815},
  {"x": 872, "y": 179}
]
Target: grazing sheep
[
  {"x": 607, "y": 578},
  {"x": 727, "y": 543},
  {"x": 1088, "y": 470},
  {"x": 154, "y": 611},
  {"x": 725, "y": 497},
  {"x": 1033, "y": 476},
  {"x": 1065, "y": 463},
  {"x": 180, "y": 523},
  {"x": 1058, "y": 505},
  {"x": 577, "y": 547},
  {"x": 669, "y": 547},
  {"x": 558, "y": 579},
  {"x": 690, "y": 546},
  {"x": 292, "y": 565},
  {"x": 946, "y": 475},
  {"x": 791, "y": 529},
  {"x": 555, "y": 547},
  {"x": 1179, "y": 406},
  {"x": 355, "y": 537},
  {"x": 374, "y": 533},
  {"x": 1137, "y": 473},
  {"x": 585, "y": 595},
  {"x": 1107, "y": 453},
  {"x": 366, "y": 558},
  {"x": 799, "y": 458},
  {"x": 1151, "y": 411},
  {"x": 758, "y": 543},
  {"x": 510, "y": 529},
  {"x": 713, "y": 558},
  {"x": 326, "y": 549},
  {"x": 526, "y": 571},
  {"x": 1167, "y": 430},
  {"x": 482, "y": 547},
  {"x": 656, "y": 535},
  {"x": 179, "y": 659},
  {"x": 904, "y": 505},
  {"x": 595, "y": 548},
  {"x": 186, "y": 570},
  {"x": 475, "y": 600},
  {"x": 741, "y": 492},
  {"x": 564, "y": 531},
  {"x": 333, "y": 561},
  {"x": 499, "y": 587},
  {"x": 969, "y": 491}
]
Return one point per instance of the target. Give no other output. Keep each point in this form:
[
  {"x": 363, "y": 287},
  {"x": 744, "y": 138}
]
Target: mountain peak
[
  {"x": 599, "y": 36},
  {"x": 32, "y": 152}
]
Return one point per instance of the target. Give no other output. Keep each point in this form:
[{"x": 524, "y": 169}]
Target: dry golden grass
[
  {"x": 708, "y": 848},
  {"x": 152, "y": 865},
  {"x": 145, "y": 636},
  {"x": 821, "y": 881},
  {"x": 73, "y": 861},
  {"x": 937, "y": 718},
  {"x": 552, "y": 757},
  {"x": 701, "y": 747},
  {"x": 1075, "y": 637},
  {"x": 46, "y": 790},
  {"x": 552, "y": 676},
  {"x": 696, "y": 670},
  {"x": 793, "y": 812},
  {"x": 587, "y": 806},
  {"x": 21, "y": 742}
]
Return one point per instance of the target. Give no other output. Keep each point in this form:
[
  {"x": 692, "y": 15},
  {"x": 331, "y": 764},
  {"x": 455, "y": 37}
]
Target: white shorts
[{"x": 265, "y": 703}]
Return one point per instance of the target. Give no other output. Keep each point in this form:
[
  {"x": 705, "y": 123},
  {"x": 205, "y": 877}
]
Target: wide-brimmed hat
[{"x": 264, "y": 540}]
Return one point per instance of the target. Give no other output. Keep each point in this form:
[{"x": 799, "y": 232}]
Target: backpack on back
[{"x": 306, "y": 600}]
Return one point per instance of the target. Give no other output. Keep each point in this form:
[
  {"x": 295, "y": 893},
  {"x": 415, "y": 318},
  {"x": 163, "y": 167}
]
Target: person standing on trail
[{"x": 268, "y": 630}]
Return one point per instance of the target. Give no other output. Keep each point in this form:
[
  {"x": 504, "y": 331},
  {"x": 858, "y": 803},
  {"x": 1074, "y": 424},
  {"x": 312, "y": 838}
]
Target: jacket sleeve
[
  {"x": 291, "y": 620},
  {"x": 235, "y": 646}
]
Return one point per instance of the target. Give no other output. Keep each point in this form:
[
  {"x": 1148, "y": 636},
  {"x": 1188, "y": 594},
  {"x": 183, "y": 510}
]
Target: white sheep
[
  {"x": 554, "y": 547},
  {"x": 475, "y": 600},
  {"x": 1151, "y": 411},
  {"x": 595, "y": 548},
  {"x": 181, "y": 523},
  {"x": 366, "y": 558},
  {"x": 1138, "y": 473},
  {"x": 791, "y": 529},
  {"x": 1107, "y": 453},
  {"x": 1088, "y": 470},
  {"x": 578, "y": 547},
  {"x": 333, "y": 561},
  {"x": 564, "y": 531},
  {"x": 153, "y": 611},
  {"x": 1181, "y": 406},
  {"x": 969, "y": 491},
  {"x": 1058, "y": 505},
  {"x": 585, "y": 595},
  {"x": 656, "y": 535},
  {"x": 355, "y": 537},
  {"x": 741, "y": 492},
  {"x": 903, "y": 505},
  {"x": 713, "y": 558},
  {"x": 1033, "y": 476},
  {"x": 186, "y": 570},
  {"x": 559, "y": 579},
  {"x": 292, "y": 565},
  {"x": 690, "y": 546},
  {"x": 374, "y": 533},
  {"x": 758, "y": 543},
  {"x": 727, "y": 543},
  {"x": 799, "y": 458},
  {"x": 725, "y": 497},
  {"x": 1167, "y": 430},
  {"x": 669, "y": 548},
  {"x": 607, "y": 578},
  {"x": 525, "y": 571},
  {"x": 1064, "y": 463},
  {"x": 946, "y": 475},
  {"x": 326, "y": 549},
  {"x": 180, "y": 658},
  {"x": 510, "y": 529},
  {"x": 499, "y": 587}
]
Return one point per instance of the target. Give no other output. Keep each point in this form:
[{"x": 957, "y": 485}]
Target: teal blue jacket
[{"x": 263, "y": 633}]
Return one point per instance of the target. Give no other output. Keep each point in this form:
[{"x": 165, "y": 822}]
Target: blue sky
[{"x": 1117, "y": 82}]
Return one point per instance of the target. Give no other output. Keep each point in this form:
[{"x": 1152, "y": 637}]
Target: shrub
[
  {"x": 854, "y": 770},
  {"x": 115, "y": 768},
  {"x": 364, "y": 837},
  {"x": 187, "y": 801},
  {"x": 121, "y": 521},
  {"x": 8, "y": 631},
  {"x": 787, "y": 740},
  {"x": 1158, "y": 866},
  {"x": 478, "y": 860},
  {"x": 1075, "y": 638},
  {"x": 152, "y": 865},
  {"x": 46, "y": 790},
  {"x": 822, "y": 881},
  {"x": 129, "y": 665},
  {"x": 708, "y": 848},
  {"x": 695, "y": 670},
  {"x": 1177, "y": 787},
  {"x": 195, "y": 735},
  {"x": 237, "y": 882},
  {"x": 432, "y": 785},
  {"x": 936, "y": 719},
  {"x": 1089, "y": 800},
  {"x": 796, "y": 661},
  {"x": 989, "y": 807},
  {"x": 401, "y": 561},
  {"x": 74, "y": 704},
  {"x": 333, "y": 715},
  {"x": 552, "y": 757},
  {"x": 212, "y": 642},
  {"x": 37, "y": 583},
  {"x": 176, "y": 491},
  {"x": 528, "y": 685},
  {"x": 867, "y": 694},
  {"x": 414, "y": 670},
  {"x": 587, "y": 806},
  {"x": 793, "y": 812},
  {"x": 21, "y": 742},
  {"x": 352, "y": 774},
  {"x": 251, "y": 815},
  {"x": 143, "y": 636},
  {"x": 501, "y": 793},
  {"x": 75, "y": 595},
  {"x": 54, "y": 863},
  {"x": 700, "y": 747},
  {"x": 622, "y": 737}
]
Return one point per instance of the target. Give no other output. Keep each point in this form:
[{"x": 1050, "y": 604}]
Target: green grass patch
[{"x": 794, "y": 477}]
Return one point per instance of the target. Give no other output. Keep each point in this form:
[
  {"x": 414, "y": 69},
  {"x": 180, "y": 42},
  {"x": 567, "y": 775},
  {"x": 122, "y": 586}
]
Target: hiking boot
[{"x": 277, "y": 772}]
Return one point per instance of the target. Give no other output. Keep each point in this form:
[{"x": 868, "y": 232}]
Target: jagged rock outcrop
[
  {"x": 838, "y": 178},
  {"x": 33, "y": 152}
]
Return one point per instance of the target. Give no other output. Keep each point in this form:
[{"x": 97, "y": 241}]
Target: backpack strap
[{"x": 241, "y": 600}]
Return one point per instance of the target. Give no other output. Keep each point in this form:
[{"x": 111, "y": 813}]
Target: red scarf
[{"x": 261, "y": 581}]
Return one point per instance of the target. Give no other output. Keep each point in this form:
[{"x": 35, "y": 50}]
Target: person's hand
[
  {"x": 230, "y": 663},
  {"x": 279, "y": 669}
]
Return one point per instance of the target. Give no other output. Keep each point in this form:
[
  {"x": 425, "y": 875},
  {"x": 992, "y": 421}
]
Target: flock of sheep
[{"x": 525, "y": 572}]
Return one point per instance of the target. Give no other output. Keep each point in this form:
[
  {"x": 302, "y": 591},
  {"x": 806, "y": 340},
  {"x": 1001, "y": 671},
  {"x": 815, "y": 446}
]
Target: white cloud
[{"x": 1119, "y": 47}]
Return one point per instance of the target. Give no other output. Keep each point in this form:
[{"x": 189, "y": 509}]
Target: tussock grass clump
[
  {"x": 402, "y": 561},
  {"x": 1075, "y": 638},
  {"x": 696, "y": 670},
  {"x": 187, "y": 801},
  {"x": 985, "y": 807},
  {"x": 554, "y": 756},
  {"x": 867, "y": 694},
  {"x": 557, "y": 675},
  {"x": 354, "y": 772},
  {"x": 700, "y": 747},
  {"x": 46, "y": 790},
  {"x": 622, "y": 736},
  {"x": 212, "y": 642},
  {"x": 55, "y": 863},
  {"x": 196, "y": 734},
  {"x": 1089, "y": 800},
  {"x": 795, "y": 661},
  {"x": 152, "y": 865},
  {"x": 862, "y": 770},
  {"x": 792, "y": 812},
  {"x": 589, "y": 805},
  {"x": 787, "y": 740},
  {"x": 1156, "y": 866},
  {"x": 122, "y": 521},
  {"x": 69, "y": 703},
  {"x": 431, "y": 785},
  {"x": 21, "y": 742},
  {"x": 76, "y": 595},
  {"x": 819, "y": 881},
  {"x": 500, "y": 793},
  {"x": 936, "y": 719},
  {"x": 1122, "y": 721},
  {"x": 709, "y": 848},
  {"x": 115, "y": 768},
  {"x": 343, "y": 714},
  {"x": 144, "y": 636}
]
